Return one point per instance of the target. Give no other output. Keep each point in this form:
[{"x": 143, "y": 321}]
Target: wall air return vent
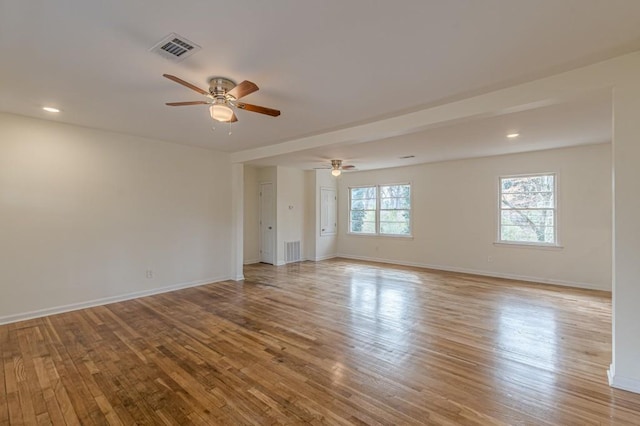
[
  {"x": 291, "y": 251},
  {"x": 175, "y": 48}
]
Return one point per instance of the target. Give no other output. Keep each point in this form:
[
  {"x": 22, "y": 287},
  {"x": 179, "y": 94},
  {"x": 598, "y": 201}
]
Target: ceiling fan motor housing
[{"x": 219, "y": 86}]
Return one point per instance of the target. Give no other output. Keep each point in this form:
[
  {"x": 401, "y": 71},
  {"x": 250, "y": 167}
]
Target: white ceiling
[{"x": 325, "y": 64}]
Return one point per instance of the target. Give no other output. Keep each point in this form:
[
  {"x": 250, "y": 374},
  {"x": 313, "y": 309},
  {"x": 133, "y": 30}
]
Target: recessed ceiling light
[
  {"x": 50, "y": 109},
  {"x": 513, "y": 135}
]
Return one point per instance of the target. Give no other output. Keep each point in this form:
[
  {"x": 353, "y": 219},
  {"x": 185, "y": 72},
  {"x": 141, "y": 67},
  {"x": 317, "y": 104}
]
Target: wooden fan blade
[
  {"x": 348, "y": 167},
  {"x": 185, "y": 84},
  {"x": 256, "y": 108},
  {"x": 243, "y": 89},
  {"x": 186, "y": 103}
]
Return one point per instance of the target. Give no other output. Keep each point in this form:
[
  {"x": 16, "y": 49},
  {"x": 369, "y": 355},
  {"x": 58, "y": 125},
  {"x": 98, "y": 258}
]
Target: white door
[
  {"x": 328, "y": 211},
  {"x": 267, "y": 223}
]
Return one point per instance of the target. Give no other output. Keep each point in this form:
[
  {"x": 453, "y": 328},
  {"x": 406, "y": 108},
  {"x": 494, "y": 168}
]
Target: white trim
[
  {"x": 538, "y": 280},
  {"x": 358, "y": 235},
  {"x": 319, "y": 258},
  {"x": 251, "y": 261},
  {"x": 529, "y": 245},
  {"x": 7, "y": 319},
  {"x": 624, "y": 383}
]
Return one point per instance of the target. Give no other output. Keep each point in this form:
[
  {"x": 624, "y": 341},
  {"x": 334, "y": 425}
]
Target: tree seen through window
[{"x": 528, "y": 209}]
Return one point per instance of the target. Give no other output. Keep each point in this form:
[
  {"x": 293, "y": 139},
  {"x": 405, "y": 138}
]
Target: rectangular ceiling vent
[{"x": 175, "y": 48}]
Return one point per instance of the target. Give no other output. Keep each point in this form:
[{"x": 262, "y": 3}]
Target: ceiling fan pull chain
[{"x": 229, "y": 128}]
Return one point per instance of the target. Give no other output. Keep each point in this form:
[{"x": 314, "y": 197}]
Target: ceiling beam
[{"x": 547, "y": 91}]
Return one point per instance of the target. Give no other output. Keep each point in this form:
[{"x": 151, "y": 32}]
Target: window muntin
[
  {"x": 382, "y": 209},
  {"x": 528, "y": 209}
]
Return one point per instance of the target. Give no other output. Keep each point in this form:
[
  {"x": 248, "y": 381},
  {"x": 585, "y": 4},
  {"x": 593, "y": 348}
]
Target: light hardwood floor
[{"x": 333, "y": 342}]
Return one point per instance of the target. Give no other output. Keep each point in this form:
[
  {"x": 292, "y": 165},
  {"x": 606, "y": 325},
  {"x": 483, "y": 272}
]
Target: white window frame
[
  {"x": 377, "y": 232},
  {"x": 500, "y": 241}
]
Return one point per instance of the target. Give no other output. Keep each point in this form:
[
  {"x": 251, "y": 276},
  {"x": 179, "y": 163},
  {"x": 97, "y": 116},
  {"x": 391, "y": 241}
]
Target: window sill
[
  {"x": 407, "y": 237},
  {"x": 529, "y": 245}
]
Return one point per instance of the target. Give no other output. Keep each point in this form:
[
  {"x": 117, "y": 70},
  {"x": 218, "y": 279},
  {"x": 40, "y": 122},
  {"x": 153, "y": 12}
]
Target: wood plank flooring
[{"x": 333, "y": 342}]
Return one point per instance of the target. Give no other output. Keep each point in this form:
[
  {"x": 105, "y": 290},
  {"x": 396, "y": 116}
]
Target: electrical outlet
[{"x": 149, "y": 273}]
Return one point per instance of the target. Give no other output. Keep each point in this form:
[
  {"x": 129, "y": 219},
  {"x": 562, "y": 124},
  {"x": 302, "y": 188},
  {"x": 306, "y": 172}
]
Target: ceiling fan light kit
[
  {"x": 335, "y": 167},
  {"x": 222, "y": 97},
  {"x": 221, "y": 112}
]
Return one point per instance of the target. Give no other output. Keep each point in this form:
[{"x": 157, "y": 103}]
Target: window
[
  {"x": 528, "y": 209},
  {"x": 380, "y": 210},
  {"x": 395, "y": 213},
  {"x": 363, "y": 210}
]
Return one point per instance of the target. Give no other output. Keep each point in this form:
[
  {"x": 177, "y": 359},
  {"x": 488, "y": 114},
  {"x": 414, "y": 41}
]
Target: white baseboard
[
  {"x": 621, "y": 382},
  {"x": 319, "y": 258},
  {"x": 251, "y": 261},
  {"x": 7, "y": 319},
  {"x": 302, "y": 259},
  {"x": 542, "y": 280}
]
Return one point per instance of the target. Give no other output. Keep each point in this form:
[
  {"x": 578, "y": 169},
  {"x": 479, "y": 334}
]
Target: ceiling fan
[
  {"x": 222, "y": 96},
  {"x": 337, "y": 167}
]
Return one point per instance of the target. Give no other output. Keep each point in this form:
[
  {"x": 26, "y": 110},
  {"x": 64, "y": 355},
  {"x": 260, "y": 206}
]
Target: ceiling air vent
[{"x": 175, "y": 47}]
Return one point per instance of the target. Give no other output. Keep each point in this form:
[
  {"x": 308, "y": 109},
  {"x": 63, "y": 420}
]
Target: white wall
[
  {"x": 290, "y": 209},
  {"x": 85, "y": 213},
  {"x": 455, "y": 217},
  {"x": 310, "y": 214},
  {"x": 251, "y": 246},
  {"x": 237, "y": 221},
  {"x": 289, "y": 202},
  {"x": 625, "y": 367}
]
